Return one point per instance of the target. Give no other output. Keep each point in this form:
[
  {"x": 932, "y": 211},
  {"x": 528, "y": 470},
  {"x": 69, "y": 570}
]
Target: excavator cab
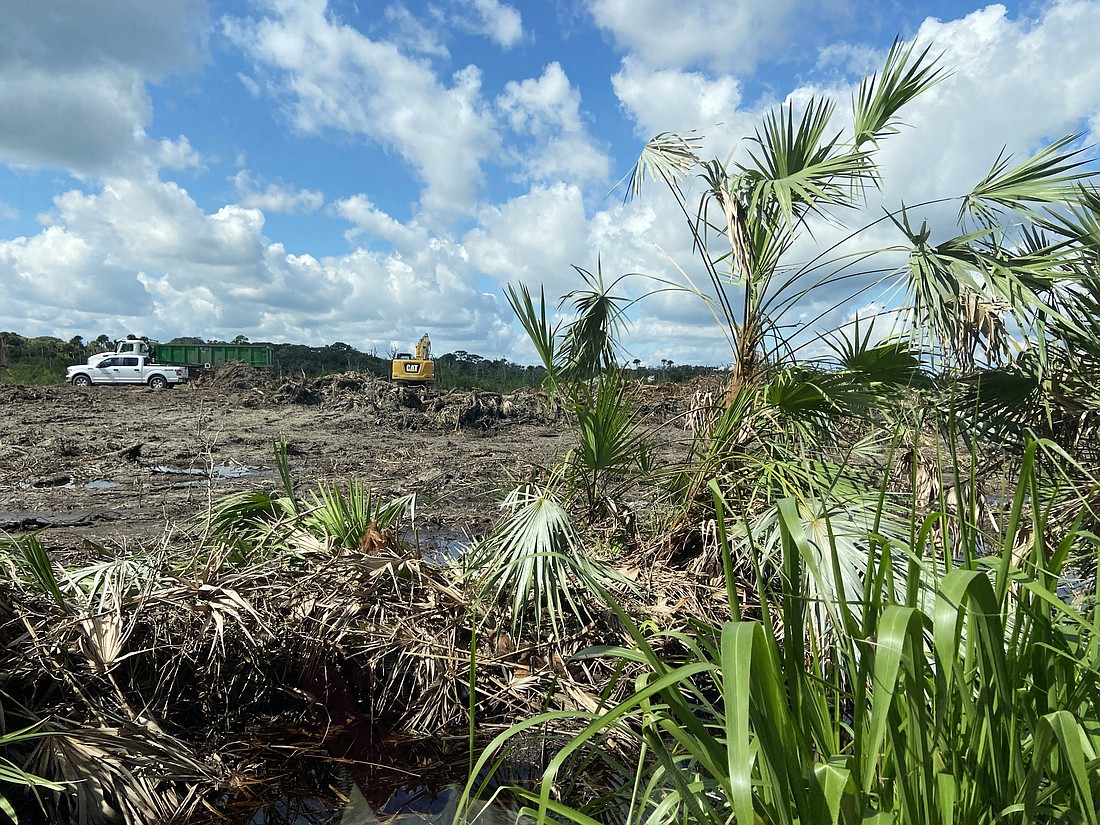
[{"x": 408, "y": 369}]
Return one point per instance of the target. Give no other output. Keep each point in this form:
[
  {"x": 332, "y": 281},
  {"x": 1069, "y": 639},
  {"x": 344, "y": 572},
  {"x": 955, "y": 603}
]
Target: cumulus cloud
[
  {"x": 498, "y": 21},
  {"x": 547, "y": 109},
  {"x": 331, "y": 76},
  {"x": 370, "y": 222},
  {"x": 721, "y": 35},
  {"x": 140, "y": 255},
  {"x": 1014, "y": 84},
  {"x": 534, "y": 238},
  {"x": 176, "y": 154},
  {"x": 411, "y": 34},
  {"x": 278, "y": 197},
  {"x": 669, "y": 100},
  {"x": 72, "y": 84}
]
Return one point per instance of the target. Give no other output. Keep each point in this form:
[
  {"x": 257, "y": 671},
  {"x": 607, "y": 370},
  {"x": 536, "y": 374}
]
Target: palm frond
[
  {"x": 611, "y": 440},
  {"x": 350, "y": 517},
  {"x": 591, "y": 338},
  {"x": 882, "y": 365},
  {"x": 35, "y": 560},
  {"x": 882, "y": 95},
  {"x": 534, "y": 564},
  {"x": 1051, "y": 175},
  {"x": 666, "y": 157},
  {"x": 542, "y": 334},
  {"x": 798, "y": 169}
]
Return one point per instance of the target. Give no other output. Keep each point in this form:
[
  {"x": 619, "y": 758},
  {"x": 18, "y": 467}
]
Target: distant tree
[
  {"x": 240, "y": 339},
  {"x": 75, "y": 348}
]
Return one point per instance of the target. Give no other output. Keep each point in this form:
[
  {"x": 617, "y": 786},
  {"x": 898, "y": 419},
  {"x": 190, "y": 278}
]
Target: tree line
[{"x": 43, "y": 359}]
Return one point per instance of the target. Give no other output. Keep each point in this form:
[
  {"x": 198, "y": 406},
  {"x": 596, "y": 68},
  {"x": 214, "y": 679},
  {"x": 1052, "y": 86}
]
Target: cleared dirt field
[
  {"x": 109, "y": 465},
  {"x": 123, "y": 464}
]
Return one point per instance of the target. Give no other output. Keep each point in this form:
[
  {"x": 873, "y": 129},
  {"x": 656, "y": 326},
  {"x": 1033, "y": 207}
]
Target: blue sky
[{"x": 311, "y": 171}]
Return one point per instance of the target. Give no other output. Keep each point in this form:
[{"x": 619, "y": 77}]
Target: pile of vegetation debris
[
  {"x": 265, "y": 663},
  {"x": 389, "y": 403}
]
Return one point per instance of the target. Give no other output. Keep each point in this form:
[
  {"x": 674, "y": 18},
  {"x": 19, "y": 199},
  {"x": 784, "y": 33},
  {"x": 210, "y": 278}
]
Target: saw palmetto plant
[{"x": 535, "y": 565}]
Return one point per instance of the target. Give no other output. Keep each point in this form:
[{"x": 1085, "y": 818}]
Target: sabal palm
[
  {"x": 797, "y": 167},
  {"x": 1024, "y": 230}
]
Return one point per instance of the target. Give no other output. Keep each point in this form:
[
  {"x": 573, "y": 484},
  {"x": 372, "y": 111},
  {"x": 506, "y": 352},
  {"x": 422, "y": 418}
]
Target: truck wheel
[
  {"x": 158, "y": 382},
  {"x": 82, "y": 381}
]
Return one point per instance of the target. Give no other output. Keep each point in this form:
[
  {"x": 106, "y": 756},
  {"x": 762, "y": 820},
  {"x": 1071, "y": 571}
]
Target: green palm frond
[
  {"x": 591, "y": 339},
  {"x": 611, "y": 440},
  {"x": 534, "y": 564},
  {"x": 843, "y": 528},
  {"x": 798, "y": 169},
  {"x": 348, "y": 516},
  {"x": 808, "y": 401},
  {"x": 1052, "y": 175},
  {"x": 959, "y": 288},
  {"x": 34, "y": 560},
  {"x": 1056, "y": 396},
  {"x": 12, "y": 774},
  {"x": 1079, "y": 222},
  {"x": 887, "y": 364},
  {"x": 251, "y": 524},
  {"x": 107, "y": 583},
  {"x": 882, "y": 95},
  {"x": 542, "y": 334}
]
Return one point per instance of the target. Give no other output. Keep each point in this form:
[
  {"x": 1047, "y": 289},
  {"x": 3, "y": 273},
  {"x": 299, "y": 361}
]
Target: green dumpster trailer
[{"x": 210, "y": 356}]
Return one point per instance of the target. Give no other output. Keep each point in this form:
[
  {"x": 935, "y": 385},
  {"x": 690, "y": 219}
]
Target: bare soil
[{"x": 113, "y": 465}]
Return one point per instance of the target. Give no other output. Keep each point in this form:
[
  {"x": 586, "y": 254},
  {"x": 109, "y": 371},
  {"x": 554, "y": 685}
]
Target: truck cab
[{"x": 125, "y": 346}]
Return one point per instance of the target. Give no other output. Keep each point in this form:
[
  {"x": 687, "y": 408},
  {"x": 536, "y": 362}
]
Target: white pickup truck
[{"x": 126, "y": 369}]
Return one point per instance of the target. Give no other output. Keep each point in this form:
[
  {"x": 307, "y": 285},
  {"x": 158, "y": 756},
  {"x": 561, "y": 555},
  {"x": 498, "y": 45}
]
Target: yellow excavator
[{"x": 416, "y": 370}]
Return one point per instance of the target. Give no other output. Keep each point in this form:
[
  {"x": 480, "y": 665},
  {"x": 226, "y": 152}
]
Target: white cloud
[
  {"x": 722, "y": 35},
  {"x": 369, "y": 220},
  {"x": 668, "y": 100},
  {"x": 176, "y": 154},
  {"x": 333, "y": 77},
  {"x": 501, "y": 23},
  {"x": 100, "y": 130},
  {"x": 548, "y": 109},
  {"x": 278, "y": 197},
  {"x": 412, "y": 35},
  {"x": 72, "y": 82},
  {"x": 534, "y": 239},
  {"x": 1015, "y": 85},
  {"x": 141, "y": 256}
]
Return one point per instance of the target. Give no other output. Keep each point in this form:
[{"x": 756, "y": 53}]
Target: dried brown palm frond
[
  {"x": 977, "y": 324},
  {"x": 197, "y": 667},
  {"x": 124, "y": 773}
]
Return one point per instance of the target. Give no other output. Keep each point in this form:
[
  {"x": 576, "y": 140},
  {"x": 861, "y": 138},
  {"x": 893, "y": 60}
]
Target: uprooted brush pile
[
  {"x": 203, "y": 689},
  {"x": 405, "y": 407},
  {"x": 418, "y": 408}
]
